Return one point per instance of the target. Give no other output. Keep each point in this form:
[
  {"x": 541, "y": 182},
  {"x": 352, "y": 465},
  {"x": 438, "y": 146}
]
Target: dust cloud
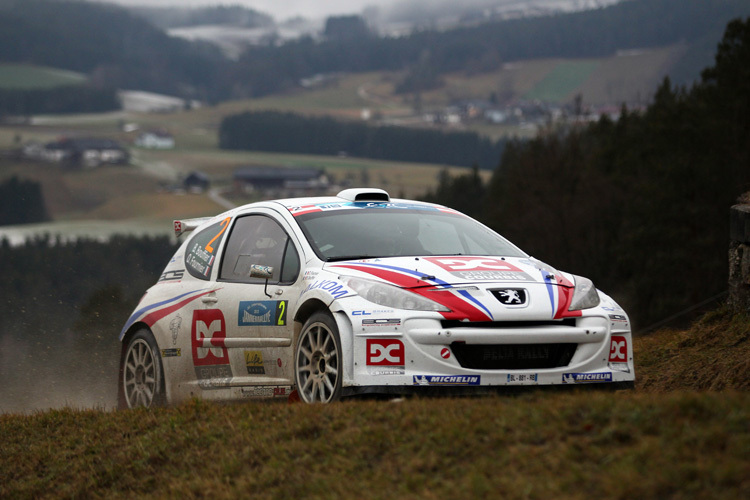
[{"x": 42, "y": 373}]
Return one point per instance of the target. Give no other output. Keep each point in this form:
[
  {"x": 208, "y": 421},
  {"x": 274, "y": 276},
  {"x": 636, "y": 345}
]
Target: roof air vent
[{"x": 365, "y": 194}]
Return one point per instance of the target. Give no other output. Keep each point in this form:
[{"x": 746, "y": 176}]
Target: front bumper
[{"x": 422, "y": 352}]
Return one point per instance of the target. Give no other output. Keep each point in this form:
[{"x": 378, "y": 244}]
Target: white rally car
[{"x": 320, "y": 298}]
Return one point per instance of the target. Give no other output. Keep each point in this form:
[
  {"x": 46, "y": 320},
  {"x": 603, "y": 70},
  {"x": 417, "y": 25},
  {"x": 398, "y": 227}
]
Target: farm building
[
  {"x": 278, "y": 180},
  {"x": 196, "y": 182},
  {"x": 82, "y": 152},
  {"x": 155, "y": 139}
]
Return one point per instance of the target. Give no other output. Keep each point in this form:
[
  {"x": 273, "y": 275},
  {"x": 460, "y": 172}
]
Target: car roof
[
  {"x": 345, "y": 198},
  {"x": 348, "y": 198}
]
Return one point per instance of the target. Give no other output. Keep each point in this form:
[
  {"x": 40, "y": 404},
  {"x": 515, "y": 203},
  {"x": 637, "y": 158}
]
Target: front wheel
[
  {"x": 318, "y": 365},
  {"x": 142, "y": 375}
]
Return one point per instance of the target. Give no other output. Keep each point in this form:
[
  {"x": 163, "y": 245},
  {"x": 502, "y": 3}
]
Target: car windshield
[{"x": 396, "y": 232}]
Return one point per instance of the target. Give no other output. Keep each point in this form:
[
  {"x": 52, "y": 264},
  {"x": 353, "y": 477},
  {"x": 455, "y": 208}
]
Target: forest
[
  {"x": 64, "y": 99},
  {"x": 640, "y": 205},
  {"x": 120, "y": 50},
  {"x": 21, "y": 202},
  {"x": 271, "y": 131}
]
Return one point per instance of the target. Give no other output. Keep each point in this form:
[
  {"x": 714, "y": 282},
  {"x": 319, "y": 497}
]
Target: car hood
[
  {"x": 474, "y": 288},
  {"x": 430, "y": 271}
]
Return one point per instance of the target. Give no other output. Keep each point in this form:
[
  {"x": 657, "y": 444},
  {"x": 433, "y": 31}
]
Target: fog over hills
[{"x": 385, "y": 12}]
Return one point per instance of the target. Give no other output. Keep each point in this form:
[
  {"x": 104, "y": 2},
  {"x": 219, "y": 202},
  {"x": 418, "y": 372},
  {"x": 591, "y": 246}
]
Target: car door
[{"x": 257, "y": 312}]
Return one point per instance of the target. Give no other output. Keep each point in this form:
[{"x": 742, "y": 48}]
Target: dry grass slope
[
  {"x": 714, "y": 354},
  {"x": 683, "y": 433}
]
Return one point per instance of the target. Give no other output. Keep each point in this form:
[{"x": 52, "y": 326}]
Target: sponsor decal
[
  {"x": 522, "y": 378},
  {"x": 171, "y": 353},
  {"x": 618, "y": 354},
  {"x": 306, "y": 209},
  {"x": 213, "y": 376},
  {"x": 309, "y": 275},
  {"x": 360, "y": 313},
  {"x": 385, "y": 352},
  {"x": 381, "y": 322},
  {"x": 201, "y": 256},
  {"x": 446, "y": 380},
  {"x": 618, "y": 349},
  {"x": 265, "y": 391},
  {"x": 332, "y": 287},
  {"x": 480, "y": 268},
  {"x": 172, "y": 275},
  {"x": 262, "y": 313},
  {"x": 174, "y": 327},
  {"x": 209, "y": 324},
  {"x": 254, "y": 363},
  {"x": 585, "y": 378},
  {"x": 511, "y": 296},
  {"x": 385, "y": 370},
  {"x": 445, "y": 353}
]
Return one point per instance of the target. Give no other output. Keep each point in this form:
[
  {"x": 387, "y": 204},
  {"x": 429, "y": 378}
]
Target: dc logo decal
[
  {"x": 209, "y": 325},
  {"x": 385, "y": 352},
  {"x": 618, "y": 350},
  {"x": 472, "y": 264}
]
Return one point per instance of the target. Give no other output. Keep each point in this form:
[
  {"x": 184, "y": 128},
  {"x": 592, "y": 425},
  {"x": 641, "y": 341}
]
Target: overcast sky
[{"x": 279, "y": 9}]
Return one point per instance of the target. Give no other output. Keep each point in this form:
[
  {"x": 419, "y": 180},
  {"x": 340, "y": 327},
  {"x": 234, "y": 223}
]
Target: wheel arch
[
  {"x": 313, "y": 305},
  {"x": 131, "y": 331}
]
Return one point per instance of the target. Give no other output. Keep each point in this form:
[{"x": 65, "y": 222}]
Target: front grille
[
  {"x": 454, "y": 323},
  {"x": 512, "y": 356}
]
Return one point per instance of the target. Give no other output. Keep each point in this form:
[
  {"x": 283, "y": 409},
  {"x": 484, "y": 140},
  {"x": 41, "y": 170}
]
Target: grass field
[
  {"x": 28, "y": 77},
  {"x": 562, "y": 81},
  {"x": 684, "y": 432}
]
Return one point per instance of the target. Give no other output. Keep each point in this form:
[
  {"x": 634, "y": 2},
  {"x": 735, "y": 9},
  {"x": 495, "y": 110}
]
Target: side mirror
[{"x": 262, "y": 272}]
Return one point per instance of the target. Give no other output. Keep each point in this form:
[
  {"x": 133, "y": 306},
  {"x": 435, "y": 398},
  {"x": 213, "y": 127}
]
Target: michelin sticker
[
  {"x": 446, "y": 380},
  {"x": 586, "y": 378}
]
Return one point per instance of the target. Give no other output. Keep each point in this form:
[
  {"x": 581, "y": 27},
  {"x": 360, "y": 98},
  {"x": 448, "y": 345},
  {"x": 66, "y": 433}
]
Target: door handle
[{"x": 209, "y": 300}]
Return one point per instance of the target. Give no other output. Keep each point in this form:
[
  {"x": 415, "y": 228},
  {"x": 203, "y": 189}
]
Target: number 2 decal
[
  {"x": 281, "y": 313},
  {"x": 224, "y": 225}
]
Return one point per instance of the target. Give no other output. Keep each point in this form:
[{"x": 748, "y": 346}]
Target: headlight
[
  {"x": 584, "y": 296},
  {"x": 391, "y": 296}
]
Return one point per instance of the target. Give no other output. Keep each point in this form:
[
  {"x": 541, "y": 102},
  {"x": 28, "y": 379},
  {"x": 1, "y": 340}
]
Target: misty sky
[{"x": 279, "y": 9}]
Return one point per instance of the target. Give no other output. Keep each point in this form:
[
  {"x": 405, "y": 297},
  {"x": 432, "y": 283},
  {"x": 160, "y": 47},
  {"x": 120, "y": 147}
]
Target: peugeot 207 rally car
[{"x": 359, "y": 293}]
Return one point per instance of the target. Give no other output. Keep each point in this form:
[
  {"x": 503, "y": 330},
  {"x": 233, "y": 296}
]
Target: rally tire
[
  {"x": 142, "y": 375},
  {"x": 318, "y": 362}
]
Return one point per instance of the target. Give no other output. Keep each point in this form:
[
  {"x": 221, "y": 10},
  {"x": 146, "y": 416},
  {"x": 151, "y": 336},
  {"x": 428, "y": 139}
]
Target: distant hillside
[
  {"x": 119, "y": 49},
  {"x": 428, "y": 54},
  {"x": 179, "y": 17},
  {"x": 28, "y": 77},
  {"x": 116, "y": 48}
]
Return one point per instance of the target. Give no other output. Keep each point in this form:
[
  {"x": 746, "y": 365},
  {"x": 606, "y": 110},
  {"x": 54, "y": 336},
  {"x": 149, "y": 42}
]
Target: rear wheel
[
  {"x": 142, "y": 374},
  {"x": 318, "y": 367}
]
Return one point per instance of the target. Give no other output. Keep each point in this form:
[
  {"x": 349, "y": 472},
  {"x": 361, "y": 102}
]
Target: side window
[
  {"x": 257, "y": 239},
  {"x": 290, "y": 269},
  {"x": 200, "y": 256}
]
